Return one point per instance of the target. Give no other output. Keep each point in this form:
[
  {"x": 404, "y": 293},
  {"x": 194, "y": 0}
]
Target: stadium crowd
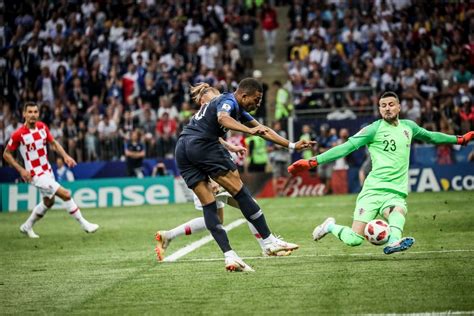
[
  {"x": 424, "y": 52},
  {"x": 103, "y": 69}
]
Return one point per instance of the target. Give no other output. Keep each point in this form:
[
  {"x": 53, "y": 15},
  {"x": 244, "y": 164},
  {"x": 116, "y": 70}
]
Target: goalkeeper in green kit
[{"x": 385, "y": 189}]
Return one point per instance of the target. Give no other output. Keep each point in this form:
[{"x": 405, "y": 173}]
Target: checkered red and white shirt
[{"x": 32, "y": 143}]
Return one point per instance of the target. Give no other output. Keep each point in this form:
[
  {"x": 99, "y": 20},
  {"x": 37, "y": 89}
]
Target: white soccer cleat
[
  {"x": 278, "y": 245},
  {"x": 28, "y": 231},
  {"x": 90, "y": 228},
  {"x": 235, "y": 264},
  {"x": 322, "y": 230},
  {"x": 161, "y": 244},
  {"x": 282, "y": 253}
]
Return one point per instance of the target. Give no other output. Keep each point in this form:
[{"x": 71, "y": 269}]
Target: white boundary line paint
[
  {"x": 201, "y": 242},
  {"x": 313, "y": 256}
]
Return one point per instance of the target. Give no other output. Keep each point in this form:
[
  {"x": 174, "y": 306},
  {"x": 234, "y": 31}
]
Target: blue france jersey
[{"x": 204, "y": 123}]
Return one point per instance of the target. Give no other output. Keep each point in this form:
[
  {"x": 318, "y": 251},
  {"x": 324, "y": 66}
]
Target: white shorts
[
  {"x": 46, "y": 184},
  {"x": 221, "y": 200}
]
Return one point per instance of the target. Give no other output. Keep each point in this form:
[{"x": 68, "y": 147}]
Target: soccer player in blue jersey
[
  {"x": 202, "y": 94},
  {"x": 200, "y": 156}
]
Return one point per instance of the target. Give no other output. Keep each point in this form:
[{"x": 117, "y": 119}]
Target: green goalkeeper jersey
[{"x": 389, "y": 148}]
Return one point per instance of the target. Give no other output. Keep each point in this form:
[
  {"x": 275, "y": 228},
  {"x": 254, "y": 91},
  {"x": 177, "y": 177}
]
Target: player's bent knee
[
  {"x": 355, "y": 242},
  {"x": 48, "y": 202}
]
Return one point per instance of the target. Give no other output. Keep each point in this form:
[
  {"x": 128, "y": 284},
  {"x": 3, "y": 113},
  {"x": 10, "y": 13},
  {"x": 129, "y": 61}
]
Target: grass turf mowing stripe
[
  {"x": 336, "y": 255},
  {"x": 201, "y": 242},
  {"x": 425, "y": 313}
]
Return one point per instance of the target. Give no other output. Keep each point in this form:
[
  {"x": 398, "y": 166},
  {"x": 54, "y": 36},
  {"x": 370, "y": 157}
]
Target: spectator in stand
[
  {"x": 429, "y": 116},
  {"x": 134, "y": 152},
  {"x": 283, "y": 105},
  {"x": 167, "y": 107},
  {"x": 2, "y": 139},
  {"x": 107, "y": 130},
  {"x": 342, "y": 113},
  {"x": 166, "y": 129},
  {"x": 261, "y": 113},
  {"x": 466, "y": 114},
  {"x": 63, "y": 173},
  {"x": 307, "y": 134},
  {"x": 444, "y": 153},
  {"x": 149, "y": 93},
  {"x": 237, "y": 139},
  {"x": 257, "y": 157},
  {"x": 326, "y": 140},
  {"x": 279, "y": 158},
  {"x": 159, "y": 170},
  {"x": 247, "y": 41},
  {"x": 269, "y": 22},
  {"x": 71, "y": 134}
]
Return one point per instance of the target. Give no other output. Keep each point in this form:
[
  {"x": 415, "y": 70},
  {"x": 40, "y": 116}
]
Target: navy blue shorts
[{"x": 198, "y": 159}]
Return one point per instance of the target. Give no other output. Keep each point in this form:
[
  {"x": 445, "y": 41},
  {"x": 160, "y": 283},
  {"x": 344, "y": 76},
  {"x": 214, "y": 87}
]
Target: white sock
[
  {"x": 74, "y": 211},
  {"x": 269, "y": 239},
  {"x": 231, "y": 254},
  {"x": 37, "y": 214},
  {"x": 193, "y": 226},
  {"x": 254, "y": 232}
]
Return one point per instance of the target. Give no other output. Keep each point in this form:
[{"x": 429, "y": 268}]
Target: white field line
[
  {"x": 329, "y": 255},
  {"x": 201, "y": 242}
]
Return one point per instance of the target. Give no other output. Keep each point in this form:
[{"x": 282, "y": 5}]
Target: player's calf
[{"x": 252, "y": 212}]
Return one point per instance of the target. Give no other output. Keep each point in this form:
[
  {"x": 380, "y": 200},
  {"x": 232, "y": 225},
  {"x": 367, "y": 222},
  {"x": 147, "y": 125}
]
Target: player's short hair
[
  {"x": 250, "y": 86},
  {"x": 389, "y": 94},
  {"x": 199, "y": 90},
  {"x": 28, "y": 104}
]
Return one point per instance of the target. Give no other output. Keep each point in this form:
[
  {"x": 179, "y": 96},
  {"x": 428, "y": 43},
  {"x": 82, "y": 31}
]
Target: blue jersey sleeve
[
  {"x": 246, "y": 117},
  {"x": 226, "y": 105}
]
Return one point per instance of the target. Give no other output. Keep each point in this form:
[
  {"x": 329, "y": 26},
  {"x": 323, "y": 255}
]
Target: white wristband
[{"x": 291, "y": 146}]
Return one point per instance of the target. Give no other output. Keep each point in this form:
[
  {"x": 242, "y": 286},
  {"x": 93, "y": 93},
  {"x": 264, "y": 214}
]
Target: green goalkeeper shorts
[{"x": 372, "y": 203}]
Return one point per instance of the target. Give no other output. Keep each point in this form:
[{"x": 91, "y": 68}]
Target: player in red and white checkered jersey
[{"x": 31, "y": 139}]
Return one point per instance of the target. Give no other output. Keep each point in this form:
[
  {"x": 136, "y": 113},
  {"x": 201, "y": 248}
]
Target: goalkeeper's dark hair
[
  {"x": 250, "y": 86},
  {"x": 389, "y": 94}
]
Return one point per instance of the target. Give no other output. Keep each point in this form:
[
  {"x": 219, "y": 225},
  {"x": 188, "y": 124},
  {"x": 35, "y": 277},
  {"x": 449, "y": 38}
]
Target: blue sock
[
  {"x": 215, "y": 227},
  {"x": 252, "y": 212}
]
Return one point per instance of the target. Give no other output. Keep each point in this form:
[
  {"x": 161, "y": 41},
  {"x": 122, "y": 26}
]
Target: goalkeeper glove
[
  {"x": 465, "y": 139},
  {"x": 302, "y": 165}
]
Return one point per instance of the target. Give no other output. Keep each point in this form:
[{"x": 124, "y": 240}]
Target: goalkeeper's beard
[{"x": 389, "y": 119}]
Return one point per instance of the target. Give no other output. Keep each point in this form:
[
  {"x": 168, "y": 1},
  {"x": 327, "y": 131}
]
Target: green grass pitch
[{"x": 114, "y": 271}]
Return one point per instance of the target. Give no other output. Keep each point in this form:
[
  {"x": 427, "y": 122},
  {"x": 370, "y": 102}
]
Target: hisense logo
[{"x": 104, "y": 196}]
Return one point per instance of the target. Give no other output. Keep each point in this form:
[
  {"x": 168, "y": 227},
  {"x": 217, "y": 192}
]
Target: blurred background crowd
[{"x": 113, "y": 77}]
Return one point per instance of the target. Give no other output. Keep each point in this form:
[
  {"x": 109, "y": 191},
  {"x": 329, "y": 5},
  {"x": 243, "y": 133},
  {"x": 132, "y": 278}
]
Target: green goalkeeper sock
[
  {"x": 346, "y": 235},
  {"x": 396, "y": 221}
]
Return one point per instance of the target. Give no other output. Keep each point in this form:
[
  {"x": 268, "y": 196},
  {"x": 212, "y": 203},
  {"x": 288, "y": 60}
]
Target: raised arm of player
[
  {"x": 438, "y": 138},
  {"x": 274, "y": 137},
  {"x": 60, "y": 150},
  {"x": 224, "y": 119},
  {"x": 362, "y": 138}
]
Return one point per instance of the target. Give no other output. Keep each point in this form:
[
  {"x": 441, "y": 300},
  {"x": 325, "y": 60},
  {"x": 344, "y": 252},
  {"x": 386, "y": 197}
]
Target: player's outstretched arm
[
  {"x": 274, "y": 137},
  {"x": 362, "y": 138},
  {"x": 8, "y": 156},
  {"x": 60, "y": 150},
  {"x": 424, "y": 135},
  {"x": 332, "y": 154},
  {"x": 224, "y": 119}
]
